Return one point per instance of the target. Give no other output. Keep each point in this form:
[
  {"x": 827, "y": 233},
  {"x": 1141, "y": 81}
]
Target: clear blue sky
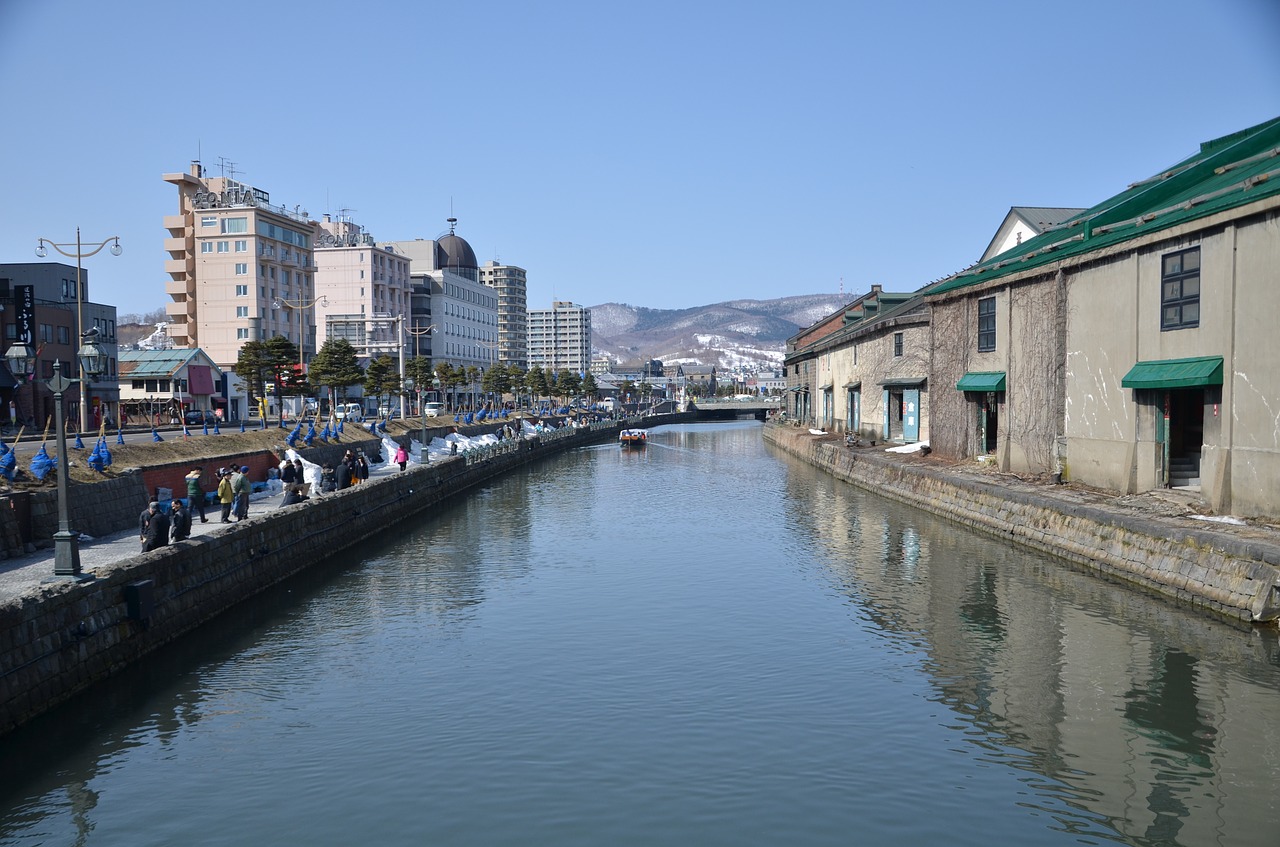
[{"x": 663, "y": 154}]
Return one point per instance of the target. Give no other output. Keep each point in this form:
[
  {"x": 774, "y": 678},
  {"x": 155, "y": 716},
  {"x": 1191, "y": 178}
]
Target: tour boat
[{"x": 633, "y": 437}]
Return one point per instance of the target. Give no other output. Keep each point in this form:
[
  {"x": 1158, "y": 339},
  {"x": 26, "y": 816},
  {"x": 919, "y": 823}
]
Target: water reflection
[
  {"x": 1117, "y": 702},
  {"x": 703, "y": 628}
]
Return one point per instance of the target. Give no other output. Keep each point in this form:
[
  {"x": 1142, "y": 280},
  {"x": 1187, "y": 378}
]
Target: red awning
[{"x": 200, "y": 379}]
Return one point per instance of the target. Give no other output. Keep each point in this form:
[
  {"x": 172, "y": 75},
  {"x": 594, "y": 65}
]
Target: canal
[{"x": 703, "y": 642}]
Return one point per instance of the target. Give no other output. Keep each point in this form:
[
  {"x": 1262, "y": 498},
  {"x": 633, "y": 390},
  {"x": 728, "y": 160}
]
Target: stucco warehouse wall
[{"x": 1235, "y": 577}]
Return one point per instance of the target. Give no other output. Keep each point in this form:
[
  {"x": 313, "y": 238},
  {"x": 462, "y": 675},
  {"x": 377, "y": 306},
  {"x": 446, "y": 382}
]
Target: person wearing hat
[
  {"x": 195, "y": 494},
  {"x": 226, "y": 494},
  {"x": 180, "y": 519},
  {"x": 153, "y": 528}
]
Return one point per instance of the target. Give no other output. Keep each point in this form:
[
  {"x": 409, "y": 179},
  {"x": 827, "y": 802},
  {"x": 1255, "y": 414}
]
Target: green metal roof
[
  {"x": 1175, "y": 373},
  {"x": 1227, "y": 172},
  {"x": 982, "y": 381},
  {"x": 158, "y": 363}
]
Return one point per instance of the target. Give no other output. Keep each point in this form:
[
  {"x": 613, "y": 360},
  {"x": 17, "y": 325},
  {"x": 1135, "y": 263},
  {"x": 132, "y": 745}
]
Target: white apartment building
[
  {"x": 449, "y": 295},
  {"x": 232, "y": 255},
  {"x": 560, "y": 337},
  {"x": 510, "y": 284},
  {"x": 363, "y": 291}
]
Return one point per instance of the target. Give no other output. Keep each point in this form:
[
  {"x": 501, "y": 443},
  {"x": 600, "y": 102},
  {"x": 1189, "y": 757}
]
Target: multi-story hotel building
[
  {"x": 509, "y": 283},
  {"x": 363, "y": 291},
  {"x": 560, "y": 337},
  {"x": 239, "y": 267}
]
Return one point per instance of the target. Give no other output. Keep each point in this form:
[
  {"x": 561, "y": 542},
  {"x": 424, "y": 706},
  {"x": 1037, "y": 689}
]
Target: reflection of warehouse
[{"x": 1072, "y": 680}]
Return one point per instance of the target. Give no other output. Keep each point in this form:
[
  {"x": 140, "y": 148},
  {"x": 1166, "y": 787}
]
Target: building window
[
  {"x": 223, "y": 246},
  {"x": 242, "y": 333},
  {"x": 234, "y": 225},
  {"x": 242, "y": 291},
  {"x": 64, "y": 335},
  {"x": 986, "y": 324},
  {"x": 1180, "y": 290},
  {"x": 206, "y": 246},
  {"x": 242, "y": 268},
  {"x": 242, "y": 311},
  {"x": 208, "y": 220},
  {"x": 897, "y": 344},
  {"x": 242, "y": 246}
]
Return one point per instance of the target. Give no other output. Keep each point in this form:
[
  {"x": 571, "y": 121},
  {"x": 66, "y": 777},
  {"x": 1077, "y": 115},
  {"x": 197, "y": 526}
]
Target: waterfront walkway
[{"x": 25, "y": 575}]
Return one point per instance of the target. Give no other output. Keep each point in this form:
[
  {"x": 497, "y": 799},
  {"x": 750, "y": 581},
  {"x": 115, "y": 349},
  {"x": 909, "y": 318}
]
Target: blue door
[{"x": 911, "y": 414}]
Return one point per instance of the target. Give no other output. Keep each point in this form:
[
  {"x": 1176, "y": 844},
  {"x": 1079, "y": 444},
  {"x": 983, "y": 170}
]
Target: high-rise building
[
  {"x": 241, "y": 269},
  {"x": 363, "y": 290},
  {"x": 560, "y": 337},
  {"x": 509, "y": 282}
]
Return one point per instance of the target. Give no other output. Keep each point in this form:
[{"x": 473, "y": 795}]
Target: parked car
[
  {"x": 197, "y": 417},
  {"x": 352, "y": 411},
  {"x": 432, "y": 409}
]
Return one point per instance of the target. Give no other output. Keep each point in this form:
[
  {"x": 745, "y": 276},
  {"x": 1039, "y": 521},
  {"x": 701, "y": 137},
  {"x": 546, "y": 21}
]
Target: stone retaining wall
[
  {"x": 73, "y": 634},
  {"x": 1235, "y": 577}
]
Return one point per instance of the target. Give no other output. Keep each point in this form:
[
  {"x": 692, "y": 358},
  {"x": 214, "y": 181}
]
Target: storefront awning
[
  {"x": 853, "y": 386},
  {"x": 1175, "y": 373},
  {"x": 982, "y": 381},
  {"x": 903, "y": 382}
]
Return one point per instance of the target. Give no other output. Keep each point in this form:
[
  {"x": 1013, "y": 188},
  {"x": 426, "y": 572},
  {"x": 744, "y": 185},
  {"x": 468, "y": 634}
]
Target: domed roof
[{"x": 452, "y": 251}]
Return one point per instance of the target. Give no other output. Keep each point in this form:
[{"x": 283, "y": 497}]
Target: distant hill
[{"x": 736, "y": 332}]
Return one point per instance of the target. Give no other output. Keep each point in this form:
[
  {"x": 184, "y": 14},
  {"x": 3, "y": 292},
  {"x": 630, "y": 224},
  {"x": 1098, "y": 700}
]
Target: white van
[
  {"x": 432, "y": 409},
  {"x": 352, "y": 411}
]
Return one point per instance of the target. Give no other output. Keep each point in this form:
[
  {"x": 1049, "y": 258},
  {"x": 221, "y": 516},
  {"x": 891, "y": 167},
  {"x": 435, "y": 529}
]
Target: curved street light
[
  {"x": 299, "y": 306},
  {"x": 80, "y": 255}
]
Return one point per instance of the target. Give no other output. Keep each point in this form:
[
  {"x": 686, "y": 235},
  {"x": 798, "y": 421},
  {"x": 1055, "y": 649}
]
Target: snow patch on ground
[
  {"x": 908, "y": 448},
  {"x": 1219, "y": 519}
]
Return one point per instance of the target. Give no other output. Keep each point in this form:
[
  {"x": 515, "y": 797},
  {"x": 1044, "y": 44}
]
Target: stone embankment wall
[
  {"x": 73, "y": 634},
  {"x": 1235, "y": 577}
]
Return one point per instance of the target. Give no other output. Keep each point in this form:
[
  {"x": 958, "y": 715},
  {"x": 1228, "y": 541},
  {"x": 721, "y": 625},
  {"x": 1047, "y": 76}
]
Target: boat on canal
[{"x": 633, "y": 438}]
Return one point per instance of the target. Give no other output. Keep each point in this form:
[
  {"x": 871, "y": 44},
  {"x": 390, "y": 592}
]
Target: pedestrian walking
[
  {"x": 402, "y": 456},
  {"x": 243, "y": 488},
  {"x": 342, "y": 476},
  {"x": 153, "y": 528},
  {"x": 226, "y": 494},
  {"x": 180, "y": 521},
  {"x": 195, "y": 494}
]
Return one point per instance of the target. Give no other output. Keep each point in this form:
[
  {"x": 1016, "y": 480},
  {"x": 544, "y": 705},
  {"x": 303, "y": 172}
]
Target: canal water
[{"x": 703, "y": 642}]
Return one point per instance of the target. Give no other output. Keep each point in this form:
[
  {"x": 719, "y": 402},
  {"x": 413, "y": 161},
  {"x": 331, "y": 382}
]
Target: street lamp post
[
  {"x": 299, "y": 306},
  {"x": 80, "y": 256},
  {"x": 20, "y": 359}
]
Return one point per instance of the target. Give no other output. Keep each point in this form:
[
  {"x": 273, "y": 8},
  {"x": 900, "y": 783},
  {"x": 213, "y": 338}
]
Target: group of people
[{"x": 155, "y": 528}]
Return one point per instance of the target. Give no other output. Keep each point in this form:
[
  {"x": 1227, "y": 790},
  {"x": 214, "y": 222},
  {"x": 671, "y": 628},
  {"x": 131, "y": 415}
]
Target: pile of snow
[
  {"x": 1219, "y": 519},
  {"x": 908, "y": 448}
]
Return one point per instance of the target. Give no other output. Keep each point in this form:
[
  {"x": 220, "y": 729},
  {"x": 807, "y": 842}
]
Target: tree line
[{"x": 272, "y": 367}]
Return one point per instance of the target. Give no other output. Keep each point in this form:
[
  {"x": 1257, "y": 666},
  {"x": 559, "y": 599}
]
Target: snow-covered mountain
[{"x": 736, "y": 333}]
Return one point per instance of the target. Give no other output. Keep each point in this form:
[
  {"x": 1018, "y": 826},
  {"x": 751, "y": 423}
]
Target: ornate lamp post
[
  {"x": 21, "y": 360},
  {"x": 298, "y": 306},
  {"x": 80, "y": 255}
]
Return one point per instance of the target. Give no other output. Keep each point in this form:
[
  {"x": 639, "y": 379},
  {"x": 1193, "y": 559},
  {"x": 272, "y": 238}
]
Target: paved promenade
[{"x": 22, "y": 575}]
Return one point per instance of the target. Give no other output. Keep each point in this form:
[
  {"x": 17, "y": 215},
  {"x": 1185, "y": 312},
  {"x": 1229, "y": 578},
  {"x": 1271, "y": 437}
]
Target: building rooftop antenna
[{"x": 228, "y": 168}]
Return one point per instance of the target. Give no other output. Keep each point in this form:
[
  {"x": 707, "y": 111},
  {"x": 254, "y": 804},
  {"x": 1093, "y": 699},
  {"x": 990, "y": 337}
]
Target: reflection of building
[
  {"x": 560, "y": 337},
  {"x": 509, "y": 283},
  {"x": 169, "y": 382},
  {"x": 1121, "y": 708},
  {"x": 231, "y": 255},
  {"x": 53, "y": 336}
]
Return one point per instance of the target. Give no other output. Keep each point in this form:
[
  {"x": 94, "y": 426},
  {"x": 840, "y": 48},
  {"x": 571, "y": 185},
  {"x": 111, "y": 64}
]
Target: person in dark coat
[
  {"x": 180, "y": 522},
  {"x": 153, "y": 528},
  {"x": 288, "y": 474},
  {"x": 342, "y": 476}
]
